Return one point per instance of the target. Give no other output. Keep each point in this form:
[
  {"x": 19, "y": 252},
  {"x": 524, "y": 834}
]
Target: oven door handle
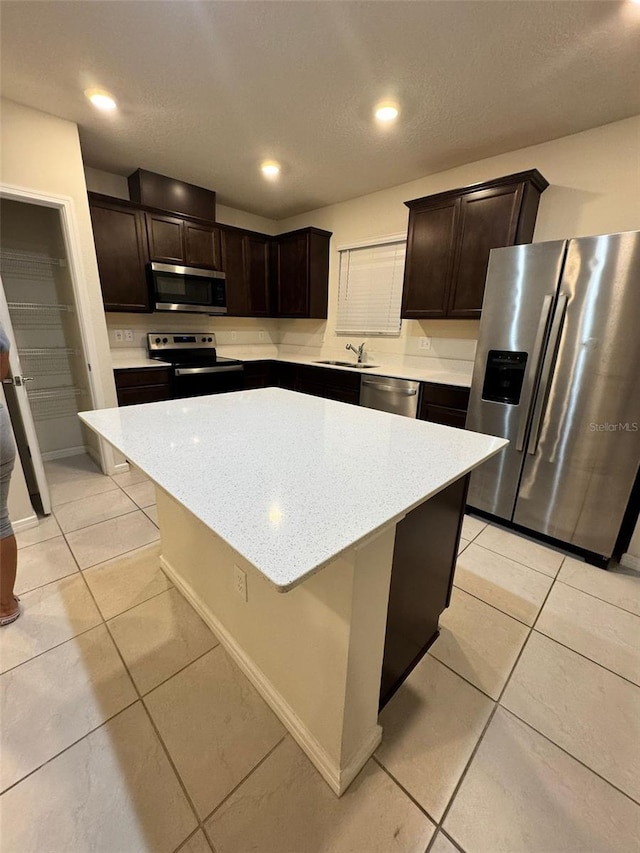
[{"x": 198, "y": 371}]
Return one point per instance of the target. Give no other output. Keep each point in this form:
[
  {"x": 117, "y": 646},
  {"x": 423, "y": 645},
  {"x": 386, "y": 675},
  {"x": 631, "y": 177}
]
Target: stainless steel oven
[
  {"x": 197, "y": 368},
  {"x": 188, "y": 289}
]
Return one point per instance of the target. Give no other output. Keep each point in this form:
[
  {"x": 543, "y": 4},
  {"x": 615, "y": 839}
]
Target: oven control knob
[
  {"x": 157, "y": 340},
  {"x": 210, "y": 340},
  {"x": 165, "y": 340},
  {"x": 204, "y": 340}
]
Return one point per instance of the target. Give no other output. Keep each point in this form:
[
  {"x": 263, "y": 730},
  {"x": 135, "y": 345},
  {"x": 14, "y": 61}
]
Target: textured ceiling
[{"x": 206, "y": 90}]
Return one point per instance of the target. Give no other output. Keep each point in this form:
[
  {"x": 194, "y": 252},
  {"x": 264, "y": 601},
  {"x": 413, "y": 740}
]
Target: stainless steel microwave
[{"x": 188, "y": 289}]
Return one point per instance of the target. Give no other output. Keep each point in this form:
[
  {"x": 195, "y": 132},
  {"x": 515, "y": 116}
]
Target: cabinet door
[
  {"x": 488, "y": 220},
  {"x": 121, "y": 251},
  {"x": 292, "y": 299},
  {"x": 256, "y": 258},
  {"x": 166, "y": 238},
  {"x": 234, "y": 270},
  {"x": 202, "y": 246},
  {"x": 430, "y": 259}
]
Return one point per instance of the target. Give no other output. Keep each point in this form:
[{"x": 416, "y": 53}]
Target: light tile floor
[{"x": 126, "y": 728}]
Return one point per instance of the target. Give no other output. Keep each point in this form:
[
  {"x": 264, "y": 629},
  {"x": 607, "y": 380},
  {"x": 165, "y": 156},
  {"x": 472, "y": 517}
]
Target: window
[{"x": 370, "y": 287}]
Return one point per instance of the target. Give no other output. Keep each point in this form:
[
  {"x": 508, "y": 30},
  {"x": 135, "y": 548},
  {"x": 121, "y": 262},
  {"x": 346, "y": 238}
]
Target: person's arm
[{"x": 4, "y": 365}]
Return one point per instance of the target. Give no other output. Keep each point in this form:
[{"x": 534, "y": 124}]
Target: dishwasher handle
[{"x": 401, "y": 392}]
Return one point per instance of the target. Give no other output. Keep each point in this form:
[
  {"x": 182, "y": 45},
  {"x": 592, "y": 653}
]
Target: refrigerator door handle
[
  {"x": 545, "y": 376},
  {"x": 532, "y": 372}
]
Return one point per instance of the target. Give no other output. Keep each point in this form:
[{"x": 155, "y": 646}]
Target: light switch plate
[
  {"x": 262, "y": 335},
  {"x": 118, "y": 335},
  {"x": 234, "y": 337},
  {"x": 240, "y": 582},
  {"x": 424, "y": 343}
]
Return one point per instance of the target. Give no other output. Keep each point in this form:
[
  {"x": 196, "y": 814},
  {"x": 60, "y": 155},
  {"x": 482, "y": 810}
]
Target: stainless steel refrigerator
[{"x": 557, "y": 372}]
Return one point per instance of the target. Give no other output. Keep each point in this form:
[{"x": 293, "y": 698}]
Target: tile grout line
[
  {"x": 491, "y": 715},
  {"x": 69, "y": 746},
  {"x": 573, "y": 757},
  {"x": 244, "y": 779},
  {"x": 405, "y": 791},
  {"x": 586, "y": 657},
  {"x": 493, "y": 606},
  {"x": 519, "y": 562},
  {"x": 597, "y": 597}
]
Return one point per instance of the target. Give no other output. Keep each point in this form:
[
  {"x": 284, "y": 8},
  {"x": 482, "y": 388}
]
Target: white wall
[
  {"x": 594, "y": 189},
  {"x": 41, "y": 153}
]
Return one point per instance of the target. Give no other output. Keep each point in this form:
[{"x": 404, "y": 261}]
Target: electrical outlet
[
  {"x": 234, "y": 337},
  {"x": 240, "y": 582},
  {"x": 424, "y": 343},
  {"x": 118, "y": 335},
  {"x": 128, "y": 334},
  {"x": 262, "y": 335}
]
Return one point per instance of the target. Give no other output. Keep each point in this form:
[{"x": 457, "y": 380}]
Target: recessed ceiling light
[
  {"x": 100, "y": 99},
  {"x": 270, "y": 169},
  {"x": 386, "y": 112}
]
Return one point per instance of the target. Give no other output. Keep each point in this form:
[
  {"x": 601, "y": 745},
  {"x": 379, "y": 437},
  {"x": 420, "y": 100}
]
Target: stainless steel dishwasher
[{"x": 390, "y": 395}]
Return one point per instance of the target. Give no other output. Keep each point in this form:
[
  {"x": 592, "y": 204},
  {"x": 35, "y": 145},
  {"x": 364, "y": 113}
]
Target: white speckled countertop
[
  {"x": 132, "y": 359},
  {"x": 442, "y": 374},
  {"x": 289, "y": 480}
]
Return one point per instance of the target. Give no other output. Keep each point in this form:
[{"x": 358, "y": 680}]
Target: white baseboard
[
  {"x": 62, "y": 454},
  {"x": 25, "y": 523},
  {"x": 121, "y": 468},
  {"x": 337, "y": 779},
  {"x": 630, "y": 561}
]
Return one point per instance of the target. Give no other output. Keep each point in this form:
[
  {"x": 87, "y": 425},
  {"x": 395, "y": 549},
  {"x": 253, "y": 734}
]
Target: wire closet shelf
[
  {"x": 61, "y": 402},
  {"x": 37, "y": 315}
]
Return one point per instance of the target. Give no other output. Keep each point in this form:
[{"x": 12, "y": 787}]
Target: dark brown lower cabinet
[
  {"x": 424, "y": 560},
  {"x": 444, "y": 404},
  {"x": 259, "y": 374},
  {"x": 142, "y": 385},
  {"x": 338, "y": 385}
]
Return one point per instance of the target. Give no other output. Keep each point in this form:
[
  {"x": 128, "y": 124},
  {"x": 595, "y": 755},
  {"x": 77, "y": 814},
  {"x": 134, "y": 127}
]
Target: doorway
[{"x": 50, "y": 380}]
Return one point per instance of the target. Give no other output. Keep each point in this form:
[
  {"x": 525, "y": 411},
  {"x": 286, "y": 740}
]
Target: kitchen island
[{"x": 311, "y": 536}]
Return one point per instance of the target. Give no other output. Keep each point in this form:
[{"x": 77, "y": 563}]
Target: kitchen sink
[{"x": 348, "y": 364}]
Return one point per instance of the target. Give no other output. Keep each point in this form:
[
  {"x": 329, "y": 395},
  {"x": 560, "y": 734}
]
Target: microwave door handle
[
  {"x": 545, "y": 376},
  {"x": 532, "y": 372}
]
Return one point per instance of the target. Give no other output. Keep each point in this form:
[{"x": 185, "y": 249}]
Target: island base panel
[
  {"x": 424, "y": 559},
  {"x": 314, "y": 653}
]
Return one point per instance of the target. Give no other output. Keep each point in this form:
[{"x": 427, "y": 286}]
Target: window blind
[{"x": 370, "y": 289}]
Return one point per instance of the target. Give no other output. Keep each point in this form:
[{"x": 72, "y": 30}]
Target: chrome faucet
[{"x": 359, "y": 351}]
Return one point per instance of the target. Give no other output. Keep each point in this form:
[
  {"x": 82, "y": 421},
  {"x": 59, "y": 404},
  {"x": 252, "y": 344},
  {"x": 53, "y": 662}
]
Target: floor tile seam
[
  {"x": 40, "y": 542},
  {"x": 55, "y": 646},
  {"x": 102, "y": 521},
  {"x": 242, "y": 781},
  {"x": 133, "y": 606},
  {"x": 488, "y": 723},
  {"x": 191, "y": 836},
  {"x": 466, "y": 680},
  {"x": 519, "y": 562},
  {"x": 598, "y": 598},
  {"x": 48, "y": 583},
  {"x": 404, "y": 790},
  {"x": 440, "y": 830},
  {"x": 586, "y": 657},
  {"x": 147, "y": 693},
  {"x": 571, "y": 755},
  {"x": 70, "y": 746},
  {"x": 128, "y": 551},
  {"x": 155, "y": 728},
  {"x": 58, "y": 504},
  {"x": 494, "y": 606}
]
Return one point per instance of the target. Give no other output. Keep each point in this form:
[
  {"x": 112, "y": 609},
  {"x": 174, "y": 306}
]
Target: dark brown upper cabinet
[
  {"x": 174, "y": 240},
  {"x": 449, "y": 239},
  {"x": 301, "y": 263},
  {"x": 245, "y": 261},
  {"x": 202, "y": 246},
  {"x": 121, "y": 249}
]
